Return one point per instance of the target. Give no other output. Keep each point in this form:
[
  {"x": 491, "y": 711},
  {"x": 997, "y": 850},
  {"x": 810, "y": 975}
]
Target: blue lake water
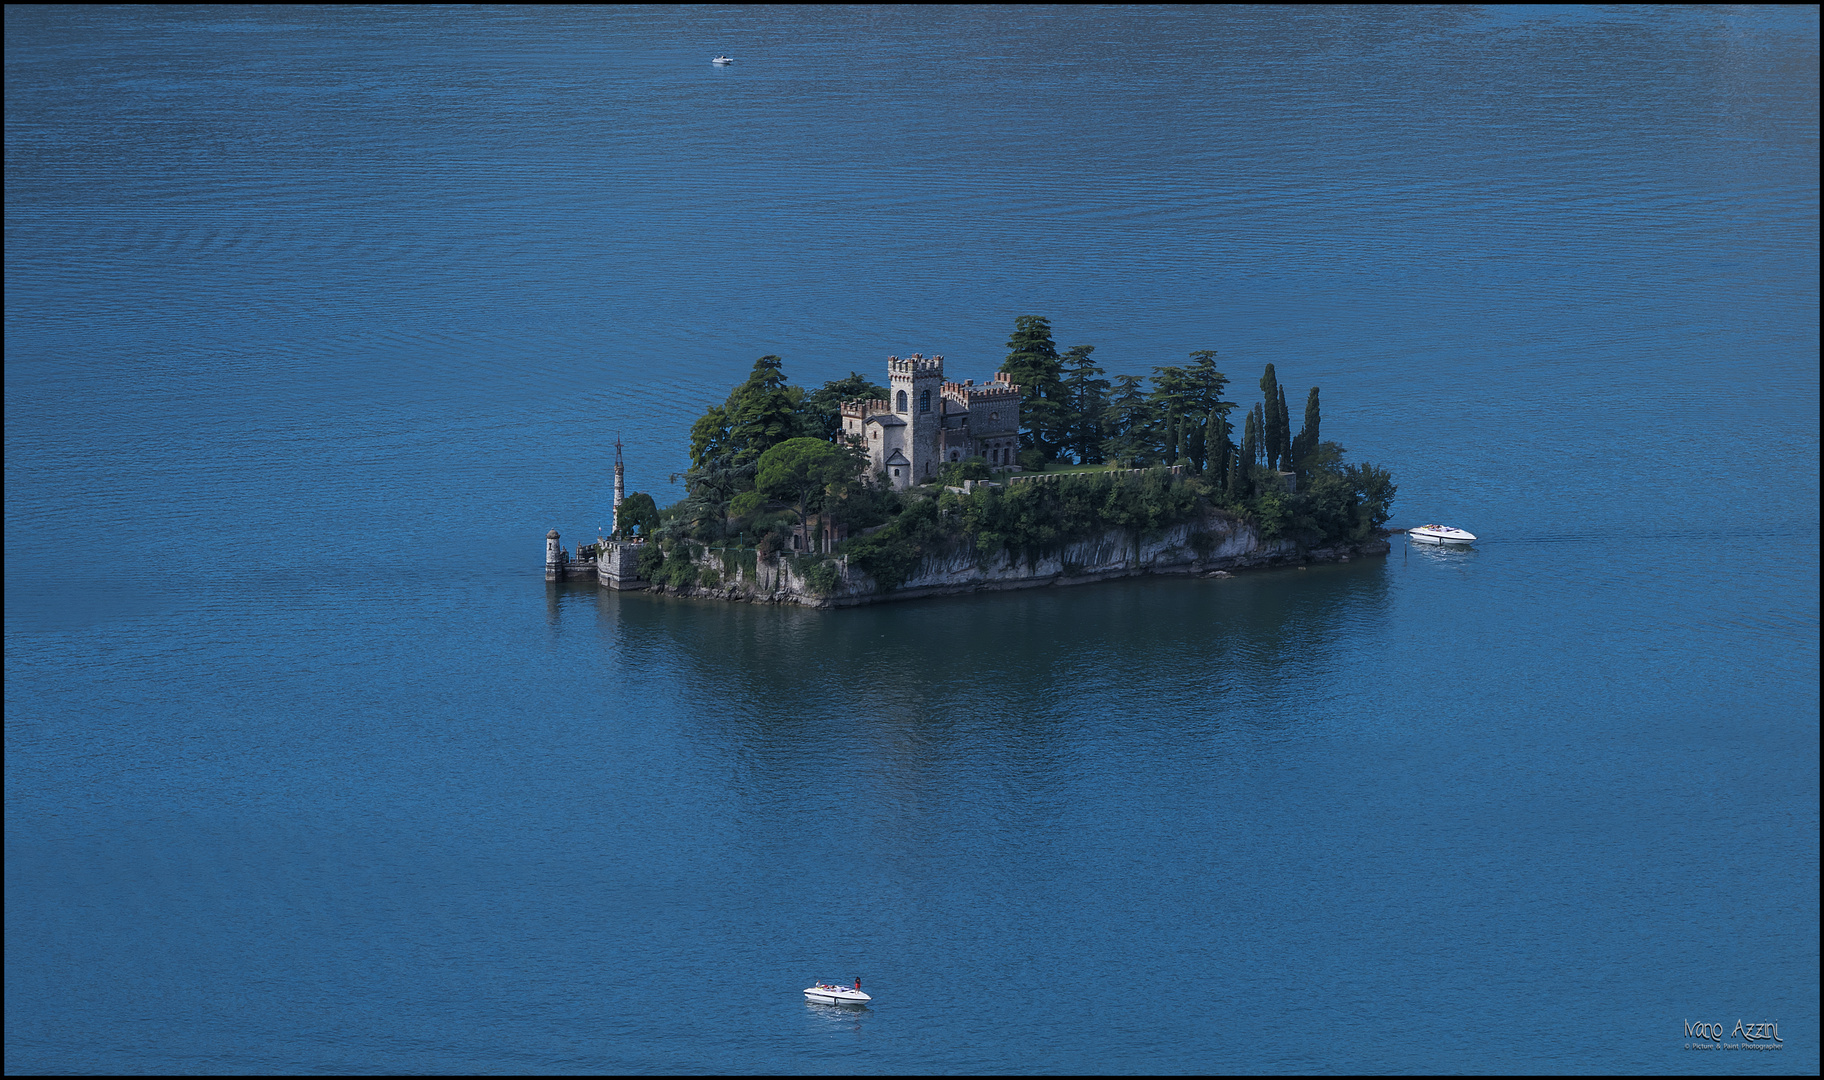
[{"x": 316, "y": 321}]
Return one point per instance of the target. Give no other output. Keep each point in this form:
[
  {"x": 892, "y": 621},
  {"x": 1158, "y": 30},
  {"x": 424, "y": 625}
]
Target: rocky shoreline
[{"x": 1215, "y": 546}]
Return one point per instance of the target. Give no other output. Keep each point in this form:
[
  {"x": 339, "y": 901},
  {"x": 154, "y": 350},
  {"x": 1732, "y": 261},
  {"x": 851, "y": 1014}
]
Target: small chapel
[{"x": 926, "y": 421}]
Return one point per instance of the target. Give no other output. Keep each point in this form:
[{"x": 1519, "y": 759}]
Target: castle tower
[
  {"x": 554, "y": 557},
  {"x": 620, "y": 486},
  {"x": 915, "y": 388}
]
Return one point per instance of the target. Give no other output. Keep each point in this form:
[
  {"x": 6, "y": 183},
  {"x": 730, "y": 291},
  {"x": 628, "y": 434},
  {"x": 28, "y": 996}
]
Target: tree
[
  {"x": 1173, "y": 398},
  {"x": 1376, "y": 490},
  {"x": 823, "y": 406},
  {"x": 1086, "y": 398},
  {"x": 1269, "y": 433},
  {"x": 727, "y": 439},
  {"x": 1250, "y": 438},
  {"x": 1033, "y": 364},
  {"x": 1129, "y": 422},
  {"x": 763, "y": 411},
  {"x": 800, "y": 471},
  {"x": 638, "y": 513},
  {"x": 1307, "y": 435},
  {"x": 1209, "y": 443},
  {"x": 1284, "y": 426},
  {"x": 709, "y": 437}
]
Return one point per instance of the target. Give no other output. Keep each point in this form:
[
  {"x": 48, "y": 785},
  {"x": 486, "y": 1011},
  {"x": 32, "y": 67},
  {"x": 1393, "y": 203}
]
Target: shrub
[
  {"x": 822, "y": 575},
  {"x": 954, "y": 473},
  {"x": 1271, "y": 514},
  {"x": 890, "y": 555},
  {"x": 680, "y": 573},
  {"x": 651, "y": 558}
]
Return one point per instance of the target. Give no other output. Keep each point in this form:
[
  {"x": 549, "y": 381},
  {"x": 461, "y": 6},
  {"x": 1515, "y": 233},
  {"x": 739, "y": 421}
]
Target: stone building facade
[{"x": 926, "y": 421}]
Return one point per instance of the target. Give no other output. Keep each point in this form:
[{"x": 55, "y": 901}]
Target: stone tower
[
  {"x": 916, "y": 388},
  {"x": 554, "y": 557},
  {"x": 620, "y": 486}
]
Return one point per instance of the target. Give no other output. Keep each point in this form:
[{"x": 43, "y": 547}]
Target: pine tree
[
  {"x": 1172, "y": 397},
  {"x": 1033, "y": 364},
  {"x": 1210, "y": 444},
  {"x": 1087, "y": 397},
  {"x": 1250, "y": 438},
  {"x": 1130, "y": 418},
  {"x": 823, "y": 407},
  {"x": 763, "y": 411},
  {"x": 1269, "y": 436}
]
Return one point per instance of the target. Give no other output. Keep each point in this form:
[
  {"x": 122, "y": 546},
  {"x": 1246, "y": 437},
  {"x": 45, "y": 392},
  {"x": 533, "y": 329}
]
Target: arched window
[
  {"x": 902, "y": 402},
  {"x": 994, "y": 416},
  {"x": 953, "y": 455},
  {"x": 924, "y": 401}
]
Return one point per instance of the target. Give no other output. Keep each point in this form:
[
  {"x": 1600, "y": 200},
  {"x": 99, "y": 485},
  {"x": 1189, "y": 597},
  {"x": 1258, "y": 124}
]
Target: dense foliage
[
  {"x": 773, "y": 455},
  {"x": 1027, "y": 520},
  {"x": 729, "y": 441}
]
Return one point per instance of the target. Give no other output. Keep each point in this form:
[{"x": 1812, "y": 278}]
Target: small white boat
[
  {"x": 1441, "y": 534},
  {"x": 723, "y": 60},
  {"x": 826, "y": 994}
]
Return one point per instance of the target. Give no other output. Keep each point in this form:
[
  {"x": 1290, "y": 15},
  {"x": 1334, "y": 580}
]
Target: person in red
[{"x": 858, "y": 985}]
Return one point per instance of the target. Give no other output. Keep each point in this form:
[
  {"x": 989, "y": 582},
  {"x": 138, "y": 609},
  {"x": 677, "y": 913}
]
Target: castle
[{"x": 926, "y": 421}]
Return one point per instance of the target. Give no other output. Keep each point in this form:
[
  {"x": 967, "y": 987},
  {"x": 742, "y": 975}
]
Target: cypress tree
[
  {"x": 1250, "y": 438},
  {"x": 1269, "y": 435},
  {"x": 1307, "y": 435},
  {"x": 1285, "y": 433},
  {"x": 1216, "y": 444}
]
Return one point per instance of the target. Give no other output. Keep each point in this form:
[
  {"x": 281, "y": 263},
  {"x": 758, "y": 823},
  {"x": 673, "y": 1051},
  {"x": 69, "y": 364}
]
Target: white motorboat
[
  {"x": 1441, "y": 534},
  {"x": 723, "y": 60},
  {"x": 827, "y": 994}
]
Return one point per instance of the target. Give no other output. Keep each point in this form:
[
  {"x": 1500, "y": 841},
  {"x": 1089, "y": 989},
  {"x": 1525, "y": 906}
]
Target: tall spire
[{"x": 620, "y": 484}]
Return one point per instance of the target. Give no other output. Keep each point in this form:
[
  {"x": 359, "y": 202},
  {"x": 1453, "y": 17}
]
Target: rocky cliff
[{"x": 1214, "y": 545}]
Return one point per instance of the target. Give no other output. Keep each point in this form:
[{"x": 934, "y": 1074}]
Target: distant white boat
[
  {"x": 1441, "y": 534},
  {"x": 723, "y": 60},
  {"x": 826, "y": 994}
]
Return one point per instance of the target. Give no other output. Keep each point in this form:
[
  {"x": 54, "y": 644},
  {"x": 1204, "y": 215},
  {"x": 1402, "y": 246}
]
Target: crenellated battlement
[
  {"x": 861, "y": 410},
  {"x": 968, "y": 393},
  {"x": 915, "y": 367}
]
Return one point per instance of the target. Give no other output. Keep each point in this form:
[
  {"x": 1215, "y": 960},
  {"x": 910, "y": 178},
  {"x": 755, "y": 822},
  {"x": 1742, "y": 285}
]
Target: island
[{"x": 1046, "y": 473}]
